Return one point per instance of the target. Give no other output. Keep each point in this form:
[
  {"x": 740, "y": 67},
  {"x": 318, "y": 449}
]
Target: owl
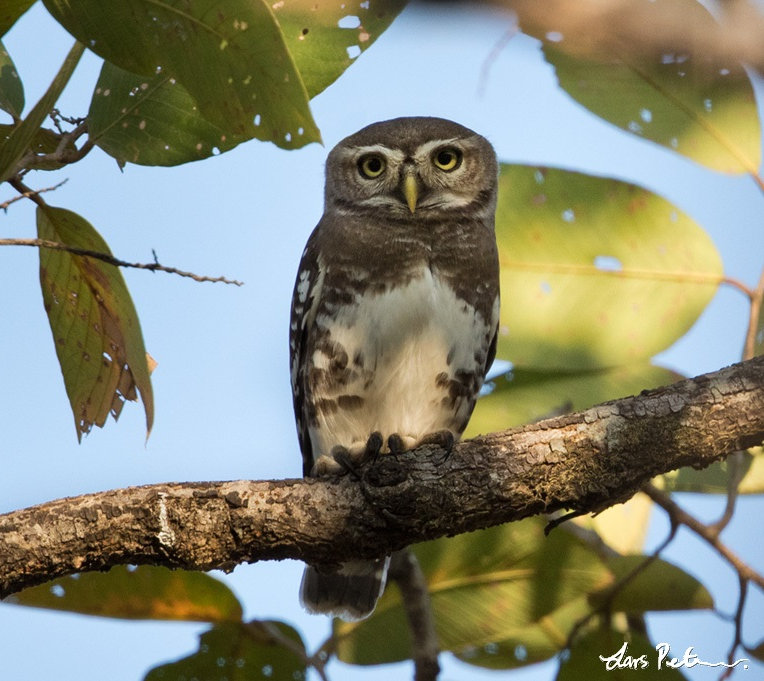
[{"x": 394, "y": 313}]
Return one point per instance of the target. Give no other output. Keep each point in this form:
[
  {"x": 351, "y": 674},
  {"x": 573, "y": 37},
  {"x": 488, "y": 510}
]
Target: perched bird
[{"x": 394, "y": 313}]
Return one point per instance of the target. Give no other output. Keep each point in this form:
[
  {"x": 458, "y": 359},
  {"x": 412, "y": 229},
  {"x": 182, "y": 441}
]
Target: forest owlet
[{"x": 394, "y": 313}]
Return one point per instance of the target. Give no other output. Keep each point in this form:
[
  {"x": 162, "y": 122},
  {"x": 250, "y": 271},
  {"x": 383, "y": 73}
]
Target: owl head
[{"x": 413, "y": 168}]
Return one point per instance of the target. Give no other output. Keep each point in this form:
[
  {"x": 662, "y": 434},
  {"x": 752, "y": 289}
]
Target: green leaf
[
  {"x": 146, "y": 592},
  {"x": 10, "y": 11},
  {"x": 322, "y": 37},
  {"x": 659, "y": 586},
  {"x": 11, "y": 88},
  {"x": 525, "y": 395},
  {"x": 683, "y": 98},
  {"x": 638, "y": 658},
  {"x": 595, "y": 272},
  {"x": 151, "y": 120},
  {"x": 23, "y": 135},
  {"x": 240, "y": 652},
  {"x": 94, "y": 324},
  {"x": 747, "y": 466},
  {"x": 485, "y": 587},
  {"x": 537, "y": 642},
  {"x": 228, "y": 54},
  {"x": 44, "y": 141}
]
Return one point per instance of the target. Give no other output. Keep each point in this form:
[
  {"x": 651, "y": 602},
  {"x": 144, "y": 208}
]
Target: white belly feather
[{"x": 407, "y": 338}]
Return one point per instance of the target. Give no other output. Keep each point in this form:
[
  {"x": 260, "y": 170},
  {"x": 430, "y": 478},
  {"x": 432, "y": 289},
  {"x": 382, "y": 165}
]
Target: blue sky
[{"x": 223, "y": 406}]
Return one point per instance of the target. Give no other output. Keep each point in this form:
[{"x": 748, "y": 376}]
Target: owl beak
[{"x": 410, "y": 190}]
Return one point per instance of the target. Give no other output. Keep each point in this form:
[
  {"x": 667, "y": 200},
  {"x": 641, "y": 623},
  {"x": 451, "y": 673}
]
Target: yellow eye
[
  {"x": 371, "y": 165},
  {"x": 447, "y": 159}
]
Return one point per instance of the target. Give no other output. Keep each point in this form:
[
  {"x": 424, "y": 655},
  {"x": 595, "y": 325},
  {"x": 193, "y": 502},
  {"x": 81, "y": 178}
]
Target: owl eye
[
  {"x": 371, "y": 165},
  {"x": 447, "y": 159}
]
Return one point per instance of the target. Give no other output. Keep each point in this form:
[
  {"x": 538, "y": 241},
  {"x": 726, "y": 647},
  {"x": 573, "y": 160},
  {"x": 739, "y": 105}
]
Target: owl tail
[{"x": 351, "y": 592}]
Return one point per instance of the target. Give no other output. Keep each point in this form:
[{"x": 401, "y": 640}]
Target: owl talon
[
  {"x": 442, "y": 438},
  {"x": 395, "y": 444},
  {"x": 373, "y": 447}
]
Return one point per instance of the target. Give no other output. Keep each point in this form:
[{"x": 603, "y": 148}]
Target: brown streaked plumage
[{"x": 395, "y": 310}]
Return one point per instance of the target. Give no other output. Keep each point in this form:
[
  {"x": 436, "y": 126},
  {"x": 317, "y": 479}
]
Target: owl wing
[{"x": 305, "y": 298}]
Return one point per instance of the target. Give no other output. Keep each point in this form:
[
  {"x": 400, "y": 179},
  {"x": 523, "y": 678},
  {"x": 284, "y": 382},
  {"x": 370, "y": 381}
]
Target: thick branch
[{"x": 584, "y": 461}]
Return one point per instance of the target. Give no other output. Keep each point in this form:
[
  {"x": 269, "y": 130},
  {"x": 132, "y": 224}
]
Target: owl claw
[
  {"x": 442, "y": 438},
  {"x": 342, "y": 460},
  {"x": 373, "y": 446},
  {"x": 395, "y": 444}
]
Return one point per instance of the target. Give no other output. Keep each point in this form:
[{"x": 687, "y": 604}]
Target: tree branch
[
  {"x": 111, "y": 260},
  {"x": 583, "y": 461},
  {"x": 405, "y": 571}
]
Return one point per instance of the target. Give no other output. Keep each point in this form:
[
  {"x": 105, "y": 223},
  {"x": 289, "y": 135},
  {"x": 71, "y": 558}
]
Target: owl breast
[{"x": 407, "y": 360}]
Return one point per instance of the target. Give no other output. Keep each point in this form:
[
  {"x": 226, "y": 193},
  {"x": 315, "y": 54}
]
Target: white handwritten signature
[{"x": 622, "y": 660}]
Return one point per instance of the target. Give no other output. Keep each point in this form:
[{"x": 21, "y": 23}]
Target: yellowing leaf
[
  {"x": 489, "y": 586},
  {"x": 622, "y": 527},
  {"x": 595, "y": 272},
  {"x": 747, "y": 467},
  {"x": 659, "y": 586},
  {"x": 144, "y": 592},
  {"x": 682, "y": 96},
  {"x": 95, "y": 327},
  {"x": 525, "y": 395}
]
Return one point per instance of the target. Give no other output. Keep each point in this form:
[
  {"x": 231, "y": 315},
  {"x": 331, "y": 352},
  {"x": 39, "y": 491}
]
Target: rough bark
[{"x": 583, "y": 462}]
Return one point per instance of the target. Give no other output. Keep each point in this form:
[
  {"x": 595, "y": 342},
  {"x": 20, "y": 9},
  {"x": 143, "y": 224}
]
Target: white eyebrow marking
[
  {"x": 425, "y": 150},
  {"x": 381, "y": 149}
]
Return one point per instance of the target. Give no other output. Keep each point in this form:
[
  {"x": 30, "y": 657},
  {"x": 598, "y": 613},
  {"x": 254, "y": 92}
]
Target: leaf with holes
[
  {"x": 95, "y": 327},
  {"x": 11, "y": 88},
  {"x": 595, "y": 272},
  {"x": 325, "y": 39},
  {"x": 145, "y": 592},
  {"x": 241, "y": 652},
  {"x": 229, "y": 55},
  {"x": 682, "y": 97},
  {"x": 494, "y": 585},
  {"x": 151, "y": 120}
]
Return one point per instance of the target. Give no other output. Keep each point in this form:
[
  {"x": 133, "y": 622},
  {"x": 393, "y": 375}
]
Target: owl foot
[{"x": 342, "y": 460}]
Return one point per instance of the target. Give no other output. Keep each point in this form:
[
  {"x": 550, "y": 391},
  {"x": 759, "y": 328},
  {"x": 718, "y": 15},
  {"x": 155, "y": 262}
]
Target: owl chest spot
[{"x": 398, "y": 353}]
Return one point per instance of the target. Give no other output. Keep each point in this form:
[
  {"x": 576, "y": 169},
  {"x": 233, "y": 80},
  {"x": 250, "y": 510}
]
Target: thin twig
[
  {"x": 739, "y": 285},
  {"x": 606, "y": 605},
  {"x": 738, "y": 640},
  {"x": 734, "y": 476},
  {"x": 29, "y": 194},
  {"x": 757, "y": 301},
  {"x": 405, "y": 570},
  {"x": 679, "y": 515},
  {"x": 19, "y": 186},
  {"x": 493, "y": 55},
  {"x": 111, "y": 260}
]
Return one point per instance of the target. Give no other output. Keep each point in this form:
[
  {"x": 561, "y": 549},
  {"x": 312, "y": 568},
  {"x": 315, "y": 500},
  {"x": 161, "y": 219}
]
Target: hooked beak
[{"x": 410, "y": 190}]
